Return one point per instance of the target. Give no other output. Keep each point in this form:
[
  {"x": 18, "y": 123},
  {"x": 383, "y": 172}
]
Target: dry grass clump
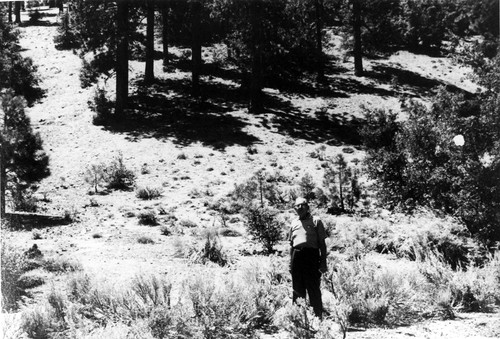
[
  {"x": 61, "y": 265},
  {"x": 145, "y": 240},
  {"x": 165, "y": 230},
  {"x": 208, "y": 250},
  {"x": 149, "y": 193},
  {"x": 229, "y": 232},
  {"x": 148, "y": 217},
  {"x": 30, "y": 280},
  {"x": 186, "y": 223},
  {"x": 300, "y": 322}
]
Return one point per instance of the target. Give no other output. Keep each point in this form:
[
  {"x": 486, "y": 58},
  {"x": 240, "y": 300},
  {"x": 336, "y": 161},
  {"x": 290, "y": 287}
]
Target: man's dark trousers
[{"x": 306, "y": 277}]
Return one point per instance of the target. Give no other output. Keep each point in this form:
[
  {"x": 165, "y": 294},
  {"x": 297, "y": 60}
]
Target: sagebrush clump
[
  {"x": 148, "y": 217},
  {"x": 13, "y": 266},
  {"x": 118, "y": 175},
  {"x": 148, "y": 193}
]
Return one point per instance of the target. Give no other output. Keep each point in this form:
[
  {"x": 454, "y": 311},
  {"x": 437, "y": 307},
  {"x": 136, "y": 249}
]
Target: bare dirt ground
[{"x": 104, "y": 239}]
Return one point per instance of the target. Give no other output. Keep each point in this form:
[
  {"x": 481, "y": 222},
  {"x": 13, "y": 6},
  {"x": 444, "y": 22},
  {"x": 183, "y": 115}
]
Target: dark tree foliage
[
  {"x": 66, "y": 38},
  {"x": 416, "y": 163},
  {"x": 95, "y": 24},
  {"x": 418, "y": 25},
  {"x": 22, "y": 155},
  {"x": 196, "y": 59},
  {"x": 22, "y": 158},
  {"x": 105, "y": 30},
  {"x": 21, "y": 147},
  {"x": 288, "y": 37},
  {"x": 16, "y": 72},
  {"x": 179, "y": 26},
  {"x": 121, "y": 57}
]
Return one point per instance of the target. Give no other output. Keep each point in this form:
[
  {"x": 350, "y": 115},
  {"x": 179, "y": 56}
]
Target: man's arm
[
  {"x": 320, "y": 228},
  {"x": 291, "y": 249},
  {"x": 322, "y": 261}
]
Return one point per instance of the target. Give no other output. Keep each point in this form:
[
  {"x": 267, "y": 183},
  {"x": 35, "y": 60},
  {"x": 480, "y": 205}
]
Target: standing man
[{"x": 308, "y": 255}]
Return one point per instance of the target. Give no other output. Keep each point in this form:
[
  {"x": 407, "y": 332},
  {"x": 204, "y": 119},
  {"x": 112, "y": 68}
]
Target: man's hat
[{"x": 300, "y": 201}]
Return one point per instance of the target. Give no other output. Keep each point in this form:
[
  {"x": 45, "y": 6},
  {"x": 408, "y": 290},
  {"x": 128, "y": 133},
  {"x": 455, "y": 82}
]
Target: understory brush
[
  {"x": 61, "y": 265},
  {"x": 477, "y": 289},
  {"x": 412, "y": 238},
  {"x": 254, "y": 295},
  {"x": 114, "y": 175},
  {"x": 212, "y": 250},
  {"x": 23, "y": 270},
  {"x": 430, "y": 287},
  {"x": 206, "y": 249},
  {"x": 205, "y": 304},
  {"x": 300, "y": 322},
  {"x": 373, "y": 295},
  {"x": 13, "y": 265}
]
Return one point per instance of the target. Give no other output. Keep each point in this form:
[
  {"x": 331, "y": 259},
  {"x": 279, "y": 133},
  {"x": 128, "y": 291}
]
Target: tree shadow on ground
[
  {"x": 409, "y": 80},
  {"x": 41, "y": 23},
  {"x": 28, "y": 221},
  {"x": 350, "y": 86},
  {"x": 318, "y": 127},
  {"x": 332, "y": 87},
  {"x": 167, "y": 110}
]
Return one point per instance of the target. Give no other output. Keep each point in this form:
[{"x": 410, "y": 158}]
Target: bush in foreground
[
  {"x": 210, "y": 305},
  {"x": 13, "y": 266}
]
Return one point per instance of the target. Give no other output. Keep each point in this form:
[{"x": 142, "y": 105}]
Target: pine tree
[{"x": 23, "y": 160}]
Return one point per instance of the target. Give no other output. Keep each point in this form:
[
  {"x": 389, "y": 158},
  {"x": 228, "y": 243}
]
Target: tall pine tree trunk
[
  {"x": 319, "y": 41},
  {"x": 149, "y": 71},
  {"x": 60, "y": 5},
  {"x": 256, "y": 96},
  {"x": 17, "y": 11},
  {"x": 358, "y": 52},
  {"x": 3, "y": 171},
  {"x": 341, "y": 190},
  {"x": 122, "y": 58},
  {"x": 164, "y": 17},
  {"x": 196, "y": 47},
  {"x": 10, "y": 12}
]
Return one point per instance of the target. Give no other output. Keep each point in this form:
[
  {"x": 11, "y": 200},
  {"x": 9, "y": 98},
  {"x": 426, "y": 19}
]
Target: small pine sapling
[{"x": 95, "y": 175}]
